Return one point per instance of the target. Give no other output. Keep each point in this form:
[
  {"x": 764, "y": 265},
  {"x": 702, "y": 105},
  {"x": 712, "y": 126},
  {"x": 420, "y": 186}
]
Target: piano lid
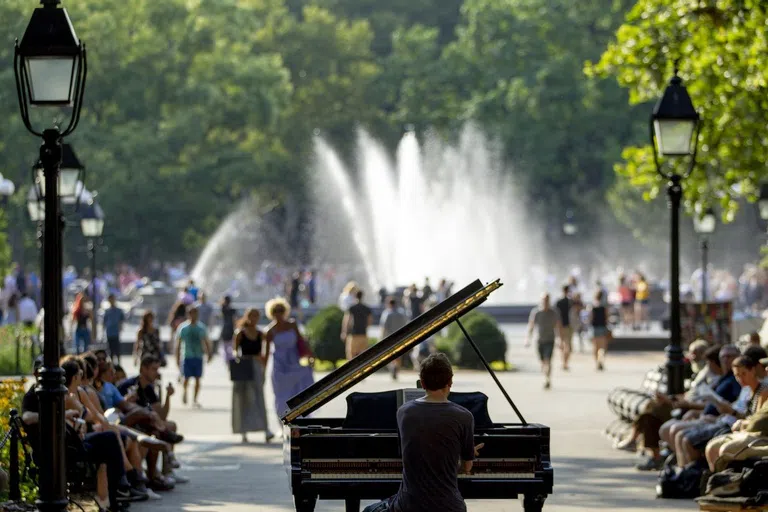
[{"x": 388, "y": 349}]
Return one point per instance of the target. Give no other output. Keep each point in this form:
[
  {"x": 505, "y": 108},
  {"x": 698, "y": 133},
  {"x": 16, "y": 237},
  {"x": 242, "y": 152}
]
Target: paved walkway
[{"x": 227, "y": 475}]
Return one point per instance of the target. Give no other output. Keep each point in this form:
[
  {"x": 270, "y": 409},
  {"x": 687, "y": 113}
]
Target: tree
[
  {"x": 721, "y": 47},
  {"x": 520, "y": 74}
]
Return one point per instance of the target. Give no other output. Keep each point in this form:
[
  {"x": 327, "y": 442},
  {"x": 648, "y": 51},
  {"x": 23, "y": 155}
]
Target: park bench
[{"x": 627, "y": 404}]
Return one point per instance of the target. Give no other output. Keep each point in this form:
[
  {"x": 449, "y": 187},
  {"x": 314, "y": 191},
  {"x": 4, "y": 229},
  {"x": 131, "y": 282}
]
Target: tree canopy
[{"x": 192, "y": 106}]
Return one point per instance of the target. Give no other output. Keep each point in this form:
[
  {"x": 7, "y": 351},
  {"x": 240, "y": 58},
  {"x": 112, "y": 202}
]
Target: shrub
[
  {"x": 11, "y": 394},
  {"x": 324, "y": 333},
  {"x": 485, "y": 332},
  {"x": 448, "y": 347},
  {"x": 10, "y": 335}
]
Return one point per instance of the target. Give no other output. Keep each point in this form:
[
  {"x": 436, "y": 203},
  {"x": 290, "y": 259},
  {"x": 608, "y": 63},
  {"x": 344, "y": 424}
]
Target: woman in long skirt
[
  {"x": 289, "y": 377},
  {"x": 249, "y": 412}
]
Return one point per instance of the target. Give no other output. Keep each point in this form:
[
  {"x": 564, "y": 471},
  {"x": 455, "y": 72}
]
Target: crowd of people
[
  {"x": 721, "y": 422},
  {"x": 119, "y": 438}
]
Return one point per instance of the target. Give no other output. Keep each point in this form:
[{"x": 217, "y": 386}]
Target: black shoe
[
  {"x": 652, "y": 464},
  {"x": 130, "y": 494}
]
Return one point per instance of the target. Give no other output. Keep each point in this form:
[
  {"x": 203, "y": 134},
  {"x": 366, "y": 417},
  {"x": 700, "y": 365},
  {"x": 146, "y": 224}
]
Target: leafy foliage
[
  {"x": 192, "y": 106},
  {"x": 721, "y": 47},
  {"x": 485, "y": 332},
  {"x": 324, "y": 333}
]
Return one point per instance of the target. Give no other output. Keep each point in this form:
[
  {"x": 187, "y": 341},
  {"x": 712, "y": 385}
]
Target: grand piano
[{"x": 358, "y": 457}]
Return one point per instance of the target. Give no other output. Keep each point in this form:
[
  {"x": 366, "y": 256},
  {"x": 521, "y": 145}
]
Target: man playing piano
[{"x": 437, "y": 440}]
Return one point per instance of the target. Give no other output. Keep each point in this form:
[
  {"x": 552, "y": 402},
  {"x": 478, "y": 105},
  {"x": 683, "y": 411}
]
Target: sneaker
[
  {"x": 173, "y": 461},
  {"x": 153, "y": 495},
  {"x": 179, "y": 479},
  {"x": 651, "y": 464},
  {"x": 547, "y": 384},
  {"x": 130, "y": 494},
  {"x": 628, "y": 445},
  {"x": 160, "y": 484}
]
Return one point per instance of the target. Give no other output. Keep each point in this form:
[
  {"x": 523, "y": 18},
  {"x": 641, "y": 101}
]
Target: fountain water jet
[{"x": 439, "y": 211}]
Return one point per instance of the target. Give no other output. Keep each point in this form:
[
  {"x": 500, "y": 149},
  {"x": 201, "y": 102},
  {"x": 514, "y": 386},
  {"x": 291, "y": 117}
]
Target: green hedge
[
  {"x": 324, "y": 333},
  {"x": 10, "y": 335},
  {"x": 485, "y": 331}
]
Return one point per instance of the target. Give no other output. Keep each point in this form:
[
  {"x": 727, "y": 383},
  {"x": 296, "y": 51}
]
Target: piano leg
[
  {"x": 304, "y": 502},
  {"x": 352, "y": 505},
  {"x": 533, "y": 502}
]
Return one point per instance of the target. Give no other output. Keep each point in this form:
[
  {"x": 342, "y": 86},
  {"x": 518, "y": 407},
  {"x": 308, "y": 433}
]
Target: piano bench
[{"x": 714, "y": 504}]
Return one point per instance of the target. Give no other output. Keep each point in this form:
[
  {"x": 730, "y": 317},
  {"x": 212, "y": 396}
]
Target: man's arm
[
  {"x": 178, "y": 348},
  {"x": 529, "y": 332},
  {"x": 30, "y": 418}
]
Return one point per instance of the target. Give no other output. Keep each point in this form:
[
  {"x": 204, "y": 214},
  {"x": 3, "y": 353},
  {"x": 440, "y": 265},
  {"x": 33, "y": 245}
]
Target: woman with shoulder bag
[{"x": 247, "y": 372}]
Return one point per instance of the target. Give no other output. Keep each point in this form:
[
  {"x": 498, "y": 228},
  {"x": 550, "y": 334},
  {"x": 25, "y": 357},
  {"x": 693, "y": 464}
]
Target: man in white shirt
[{"x": 27, "y": 310}]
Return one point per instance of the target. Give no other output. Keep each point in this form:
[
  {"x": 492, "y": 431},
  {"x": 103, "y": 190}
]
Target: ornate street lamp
[
  {"x": 50, "y": 68},
  {"x": 71, "y": 174},
  {"x": 704, "y": 224},
  {"x": 674, "y": 127},
  {"x": 92, "y": 226}
]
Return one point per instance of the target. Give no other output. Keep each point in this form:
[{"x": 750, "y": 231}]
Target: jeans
[
  {"x": 104, "y": 448},
  {"x": 82, "y": 339}
]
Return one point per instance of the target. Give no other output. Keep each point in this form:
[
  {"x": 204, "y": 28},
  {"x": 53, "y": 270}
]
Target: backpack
[{"x": 683, "y": 484}]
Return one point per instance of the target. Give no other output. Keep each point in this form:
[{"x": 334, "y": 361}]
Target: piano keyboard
[{"x": 398, "y": 476}]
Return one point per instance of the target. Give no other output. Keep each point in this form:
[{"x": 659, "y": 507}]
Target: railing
[{"x": 14, "y": 436}]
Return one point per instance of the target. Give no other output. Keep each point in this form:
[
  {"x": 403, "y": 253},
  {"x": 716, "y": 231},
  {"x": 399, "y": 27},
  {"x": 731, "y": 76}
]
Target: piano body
[{"x": 358, "y": 457}]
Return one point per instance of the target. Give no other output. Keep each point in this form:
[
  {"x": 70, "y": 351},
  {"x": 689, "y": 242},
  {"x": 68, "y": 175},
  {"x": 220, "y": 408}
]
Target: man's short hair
[
  {"x": 435, "y": 372},
  {"x": 392, "y": 301},
  {"x": 566, "y": 289},
  {"x": 713, "y": 355},
  {"x": 359, "y": 294},
  {"x": 755, "y": 352},
  {"x": 148, "y": 361}
]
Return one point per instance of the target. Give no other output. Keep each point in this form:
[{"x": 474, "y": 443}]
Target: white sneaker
[
  {"x": 153, "y": 495},
  {"x": 178, "y": 478}
]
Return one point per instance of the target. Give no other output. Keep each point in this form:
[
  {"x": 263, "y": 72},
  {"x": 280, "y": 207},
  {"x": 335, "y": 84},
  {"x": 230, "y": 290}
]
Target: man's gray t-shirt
[
  {"x": 545, "y": 321},
  {"x": 433, "y": 438}
]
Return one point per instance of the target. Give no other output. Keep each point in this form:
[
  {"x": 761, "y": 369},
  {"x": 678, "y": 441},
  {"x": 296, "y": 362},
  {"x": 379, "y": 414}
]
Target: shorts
[
  {"x": 700, "y": 435},
  {"x": 113, "y": 342},
  {"x": 566, "y": 335},
  {"x": 598, "y": 332},
  {"x": 545, "y": 350},
  {"x": 193, "y": 367},
  {"x": 356, "y": 344}
]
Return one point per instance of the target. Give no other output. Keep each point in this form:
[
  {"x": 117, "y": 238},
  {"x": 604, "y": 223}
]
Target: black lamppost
[
  {"x": 92, "y": 226},
  {"x": 50, "y": 69},
  {"x": 674, "y": 127},
  {"x": 704, "y": 224}
]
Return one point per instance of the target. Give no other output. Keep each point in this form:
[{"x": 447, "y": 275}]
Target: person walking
[
  {"x": 564, "y": 306},
  {"x": 192, "y": 336},
  {"x": 546, "y": 321},
  {"x": 27, "y": 311},
  {"x": 227, "y": 333},
  {"x": 148, "y": 341},
  {"x": 354, "y": 327},
  {"x": 289, "y": 377},
  {"x": 598, "y": 319},
  {"x": 392, "y": 319},
  {"x": 249, "y": 412},
  {"x": 81, "y": 315},
  {"x": 113, "y": 324}
]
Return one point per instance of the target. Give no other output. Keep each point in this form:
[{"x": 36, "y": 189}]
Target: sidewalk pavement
[{"x": 589, "y": 474}]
